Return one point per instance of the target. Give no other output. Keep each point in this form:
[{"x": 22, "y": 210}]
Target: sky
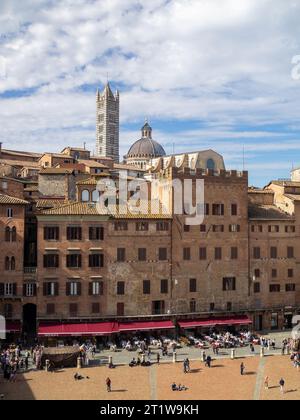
[{"x": 217, "y": 74}]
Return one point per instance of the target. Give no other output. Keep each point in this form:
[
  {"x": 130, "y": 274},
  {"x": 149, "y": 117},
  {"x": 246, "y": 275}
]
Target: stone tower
[{"x": 108, "y": 107}]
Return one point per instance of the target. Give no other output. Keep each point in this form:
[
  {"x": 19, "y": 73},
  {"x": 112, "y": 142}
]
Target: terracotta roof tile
[{"x": 7, "y": 199}]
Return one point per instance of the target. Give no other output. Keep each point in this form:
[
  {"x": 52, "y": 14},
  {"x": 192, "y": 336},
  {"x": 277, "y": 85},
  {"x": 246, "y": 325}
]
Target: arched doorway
[{"x": 29, "y": 322}]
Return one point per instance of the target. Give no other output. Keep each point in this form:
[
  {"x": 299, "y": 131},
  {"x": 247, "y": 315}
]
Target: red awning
[
  {"x": 146, "y": 326},
  {"x": 73, "y": 330},
  {"x": 13, "y": 327},
  {"x": 211, "y": 322}
]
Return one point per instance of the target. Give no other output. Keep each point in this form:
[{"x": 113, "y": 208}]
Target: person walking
[
  {"x": 281, "y": 384},
  {"x": 242, "y": 369},
  {"x": 266, "y": 382},
  {"x": 108, "y": 385},
  {"x": 158, "y": 358},
  {"x": 208, "y": 361}
]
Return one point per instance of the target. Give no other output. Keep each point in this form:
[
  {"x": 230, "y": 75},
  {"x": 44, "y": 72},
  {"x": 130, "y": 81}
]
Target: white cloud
[{"x": 225, "y": 64}]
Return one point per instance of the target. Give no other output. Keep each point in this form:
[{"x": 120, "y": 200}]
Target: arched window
[
  {"x": 7, "y": 234},
  {"x": 7, "y": 263},
  {"x": 13, "y": 263},
  {"x": 14, "y": 234},
  {"x": 210, "y": 164},
  {"x": 85, "y": 196},
  {"x": 95, "y": 196}
]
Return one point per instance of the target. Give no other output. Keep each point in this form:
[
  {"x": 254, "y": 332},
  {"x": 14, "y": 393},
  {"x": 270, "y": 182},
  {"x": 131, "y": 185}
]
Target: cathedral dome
[{"x": 146, "y": 146}]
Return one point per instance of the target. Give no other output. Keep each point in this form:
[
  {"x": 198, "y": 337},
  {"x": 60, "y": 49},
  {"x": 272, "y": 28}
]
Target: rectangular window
[
  {"x": 9, "y": 213},
  {"x": 290, "y": 287},
  {"x": 257, "y": 273},
  {"x": 186, "y": 254},
  {"x": 290, "y": 273},
  {"x": 229, "y": 306},
  {"x": 234, "y": 228},
  {"x": 9, "y": 289},
  {"x": 95, "y": 308},
  {"x": 50, "y": 289},
  {"x": 234, "y": 209},
  {"x": 142, "y": 226},
  {"x": 73, "y": 309},
  {"x": 120, "y": 309},
  {"x": 74, "y": 233},
  {"x": 218, "y": 209},
  {"x": 202, "y": 254},
  {"x": 290, "y": 229},
  {"x": 51, "y": 233},
  {"x": 73, "y": 288},
  {"x": 229, "y": 284},
  {"x": 162, "y": 226},
  {"x": 96, "y": 288},
  {"x": 96, "y": 260},
  {"x": 274, "y": 273},
  {"x": 192, "y": 306},
  {"x": 256, "y": 287},
  {"x": 186, "y": 228},
  {"x": 274, "y": 288},
  {"x": 142, "y": 254},
  {"x": 30, "y": 289},
  {"x": 273, "y": 228},
  {"x": 273, "y": 252},
  {"x": 218, "y": 228},
  {"x": 50, "y": 309},
  {"x": 146, "y": 287},
  {"x": 290, "y": 252},
  {"x": 202, "y": 228},
  {"x": 121, "y": 226},
  {"x": 96, "y": 233},
  {"x": 234, "y": 253},
  {"x": 193, "y": 285},
  {"x": 162, "y": 254},
  {"x": 256, "y": 252},
  {"x": 74, "y": 261},
  {"x": 211, "y": 307},
  {"x": 121, "y": 254},
  {"x": 51, "y": 261},
  {"x": 164, "y": 286},
  {"x": 218, "y": 253},
  {"x": 121, "y": 288}
]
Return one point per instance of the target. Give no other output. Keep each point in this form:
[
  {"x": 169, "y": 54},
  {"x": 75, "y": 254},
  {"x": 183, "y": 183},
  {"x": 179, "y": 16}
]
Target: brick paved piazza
[{"x": 222, "y": 381}]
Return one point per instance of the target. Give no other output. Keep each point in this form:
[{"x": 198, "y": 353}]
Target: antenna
[
  {"x": 173, "y": 148},
  {"x": 243, "y": 157}
]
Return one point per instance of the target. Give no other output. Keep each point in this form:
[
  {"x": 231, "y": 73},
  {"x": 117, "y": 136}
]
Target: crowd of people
[{"x": 12, "y": 361}]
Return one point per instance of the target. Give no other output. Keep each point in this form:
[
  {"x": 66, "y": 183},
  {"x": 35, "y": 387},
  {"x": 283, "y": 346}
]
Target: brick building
[{"x": 72, "y": 264}]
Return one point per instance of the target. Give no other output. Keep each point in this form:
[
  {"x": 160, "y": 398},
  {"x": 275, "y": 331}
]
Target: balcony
[{"x": 30, "y": 270}]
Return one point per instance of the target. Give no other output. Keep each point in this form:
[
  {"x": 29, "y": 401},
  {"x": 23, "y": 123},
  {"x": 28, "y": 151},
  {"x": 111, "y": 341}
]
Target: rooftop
[
  {"x": 266, "y": 212},
  {"x": 7, "y": 199}
]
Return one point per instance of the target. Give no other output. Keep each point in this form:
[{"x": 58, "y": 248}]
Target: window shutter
[
  {"x": 45, "y": 261},
  {"x": 79, "y": 289},
  {"x": 1, "y": 289},
  {"x": 80, "y": 234},
  {"x": 79, "y": 260},
  {"x": 15, "y": 289},
  {"x": 90, "y": 289},
  {"x": 34, "y": 290},
  {"x": 45, "y": 289},
  {"x": 56, "y": 288},
  {"x": 24, "y": 289},
  {"x": 101, "y": 288},
  {"x": 68, "y": 289}
]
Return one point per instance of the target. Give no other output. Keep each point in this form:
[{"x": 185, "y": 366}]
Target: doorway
[{"x": 29, "y": 322}]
